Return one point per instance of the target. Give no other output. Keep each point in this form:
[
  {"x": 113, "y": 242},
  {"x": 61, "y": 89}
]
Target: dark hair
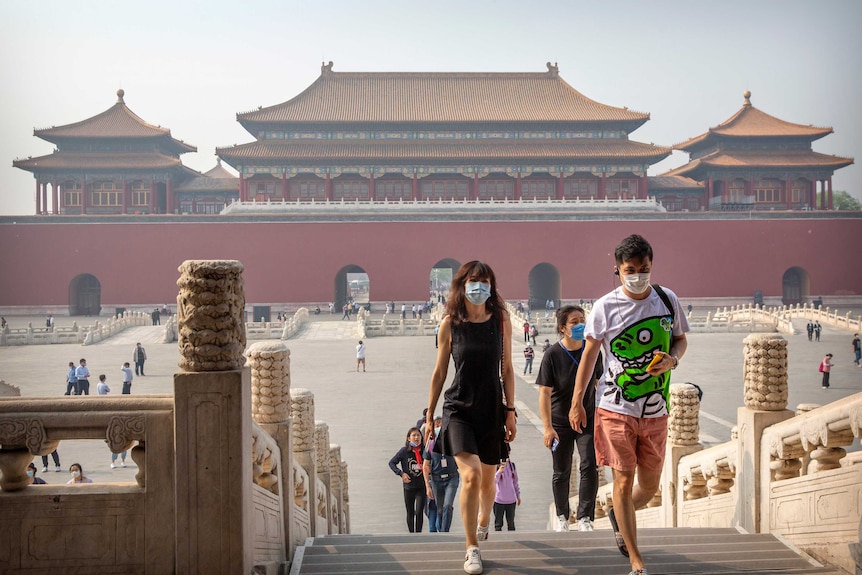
[
  {"x": 33, "y": 467},
  {"x": 409, "y": 431},
  {"x": 78, "y": 465},
  {"x": 633, "y": 247},
  {"x": 102, "y": 377},
  {"x": 562, "y": 315},
  {"x": 82, "y": 359},
  {"x": 455, "y": 306}
]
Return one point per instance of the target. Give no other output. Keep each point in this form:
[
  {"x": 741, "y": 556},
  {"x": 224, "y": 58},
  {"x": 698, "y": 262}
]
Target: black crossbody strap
[{"x": 666, "y": 301}]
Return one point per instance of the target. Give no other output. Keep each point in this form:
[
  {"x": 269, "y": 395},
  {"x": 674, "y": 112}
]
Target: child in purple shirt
[{"x": 508, "y": 495}]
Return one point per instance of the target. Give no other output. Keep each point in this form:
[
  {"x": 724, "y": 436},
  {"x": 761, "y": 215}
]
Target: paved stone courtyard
[{"x": 369, "y": 413}]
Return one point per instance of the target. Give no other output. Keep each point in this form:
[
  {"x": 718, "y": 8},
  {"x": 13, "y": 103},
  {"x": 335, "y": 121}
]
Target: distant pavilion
[{"x": 757, "y": 161}]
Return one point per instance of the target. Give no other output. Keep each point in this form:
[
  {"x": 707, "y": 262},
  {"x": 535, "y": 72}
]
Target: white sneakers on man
[
  {"x": 584, "y": 524},
  {"x": 473, "y": 561},
  {"x": 562, "y": 524}
]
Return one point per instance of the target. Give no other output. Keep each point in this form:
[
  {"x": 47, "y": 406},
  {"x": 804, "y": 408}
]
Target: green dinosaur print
[{"x": 634, "y": 348}]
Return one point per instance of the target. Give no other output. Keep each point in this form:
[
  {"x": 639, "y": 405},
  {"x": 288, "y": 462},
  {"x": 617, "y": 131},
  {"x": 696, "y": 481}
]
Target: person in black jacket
[{"x": 407, "y": 464}]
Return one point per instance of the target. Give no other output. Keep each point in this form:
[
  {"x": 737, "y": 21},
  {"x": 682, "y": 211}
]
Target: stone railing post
[
  {"x": 269, "y": 362},
  {"x": 302, "y": 427},
  {"x": 212, "y": 427},
  {"x": 336, "y": 488},
  {"x": 683, "y": 429},
  {"x": 321, "y": 445},
  {"x": 765, "y": 381}
]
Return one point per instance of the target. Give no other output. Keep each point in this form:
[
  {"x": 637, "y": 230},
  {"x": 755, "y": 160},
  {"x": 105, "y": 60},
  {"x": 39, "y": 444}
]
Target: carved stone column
[
  {"x": 269, "y": 363},
  {"x": 335, "y": 488},
  {"x": 302, "y": 428},
  {"x": 683, "y": 428},
  {"x": 212, "y": 427},
  {"x": 765, "y": 380},
  {"x": 324, "y": 502}
]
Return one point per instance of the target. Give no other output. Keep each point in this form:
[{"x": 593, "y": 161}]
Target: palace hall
[{"x": 385, "y": 173}]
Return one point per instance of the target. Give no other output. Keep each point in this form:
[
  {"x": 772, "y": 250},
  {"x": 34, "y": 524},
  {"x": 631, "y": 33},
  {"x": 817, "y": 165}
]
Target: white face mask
[
  {"x": 76, "y": 474},
  {"x": 636, "y": 283}
]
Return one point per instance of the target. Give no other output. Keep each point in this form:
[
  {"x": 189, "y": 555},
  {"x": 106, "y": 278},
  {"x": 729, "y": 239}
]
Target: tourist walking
[
  {"x": 441, "y": 480},
  {"x": 407, "y": 464},
  {"x": 345, "y": 309},
  {"x": 507, "y": 495},
  {"x": 82, "y": 374},
  {"x": 139, "y": 356},
  {"x": 360, "y": 356},
  {"x": 857, "y": 350},
  {"x": 71, "y": 380},
  {"x": 557, "y": 385},
  {"x": 56, "y": 457},
  {"x": 632, "y": 411},
  {"x": 477, "y": 424},
  {"x": 810, "y": 329},
  {"x": 526, "y": 327},
  {"x": 529, "y": 354},
  {"x": 825, "y": 369},
  {"x": 127, "y": 378},
  {"x": 817, "y": 329}
]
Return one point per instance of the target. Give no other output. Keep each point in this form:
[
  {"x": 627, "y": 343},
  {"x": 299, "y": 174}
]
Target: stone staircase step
[{"x": 680, "y": 551}]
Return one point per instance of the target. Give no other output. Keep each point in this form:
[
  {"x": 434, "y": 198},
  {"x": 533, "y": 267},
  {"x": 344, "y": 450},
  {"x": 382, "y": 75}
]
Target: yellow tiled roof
[
  {"x": 216, "y": 179},
  {"x": 671, "y": 183},
  {"x": 749, "y": 122},
  {"x": 440, "y": 98},
  {"x": 118, "y": 121},
  {"x": 437, "y": 150},
  {"x": 98, "y": 161},
  {"x": 763, "y": 159}
]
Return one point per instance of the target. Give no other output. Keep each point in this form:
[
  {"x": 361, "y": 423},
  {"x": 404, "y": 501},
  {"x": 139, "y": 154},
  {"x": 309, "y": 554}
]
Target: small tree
[{"x": 843, "y": 201}]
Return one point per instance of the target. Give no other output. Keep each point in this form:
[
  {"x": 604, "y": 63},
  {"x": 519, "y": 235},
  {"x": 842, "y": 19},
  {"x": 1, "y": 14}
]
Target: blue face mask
[
  {"x": 412, "y": 444},
  {"x": 577, "y": 332},
  {"x": 477, "y": 292}
]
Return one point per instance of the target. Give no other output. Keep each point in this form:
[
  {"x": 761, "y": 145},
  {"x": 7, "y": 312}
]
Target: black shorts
[{"x": 459, "y": 436}]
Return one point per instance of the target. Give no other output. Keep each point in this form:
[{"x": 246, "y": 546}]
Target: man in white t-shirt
[
  {"x": 360, "y": 355},
  {"x": 640, "y": 328}
]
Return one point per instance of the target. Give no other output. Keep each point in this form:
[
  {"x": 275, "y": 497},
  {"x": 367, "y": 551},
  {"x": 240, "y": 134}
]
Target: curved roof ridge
[
  {"x": 440, "y": 97},
  {"x": 116, "y": 121}
]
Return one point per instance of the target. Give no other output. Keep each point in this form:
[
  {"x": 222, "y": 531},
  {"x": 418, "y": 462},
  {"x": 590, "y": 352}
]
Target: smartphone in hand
[{"x": 555, "y": 444}]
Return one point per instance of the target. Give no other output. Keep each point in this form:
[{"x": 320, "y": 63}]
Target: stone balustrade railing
[
  {"x": 222, "y": 487},
  {"x": 824, "y": 316},
  {"x": 391, "y": 324},
  {"x": 85, "y": 335},
  {"x": 285, "y": 329}
]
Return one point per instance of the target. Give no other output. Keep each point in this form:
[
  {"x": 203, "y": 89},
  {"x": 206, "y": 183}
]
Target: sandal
[
  {"x": 621, "y": 543},
  {"x": 639, "y": 572}
]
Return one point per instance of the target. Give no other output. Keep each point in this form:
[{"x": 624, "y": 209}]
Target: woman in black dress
[{"x": 478, "y": 415}]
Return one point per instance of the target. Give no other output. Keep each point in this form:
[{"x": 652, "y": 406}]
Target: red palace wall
[{"x": 136, "y": 263}]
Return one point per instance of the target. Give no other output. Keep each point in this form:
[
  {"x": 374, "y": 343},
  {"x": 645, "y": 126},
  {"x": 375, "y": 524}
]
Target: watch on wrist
[{"x": 675, "y": 361}]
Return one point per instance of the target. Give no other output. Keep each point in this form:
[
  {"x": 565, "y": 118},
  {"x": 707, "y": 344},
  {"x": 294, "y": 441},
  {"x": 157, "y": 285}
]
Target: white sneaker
[
  {"x": 45, "y": 469},
  {"x": 473, "y": 561},
  {"x": 562, "y": 524},
  {"x": 482, "y": 532},
  {"x": 584, "y": 524},
  {"x": 113, "y": 465},
  {"x": 123, "y": 463},
  {"x": 58, "y": 470}
]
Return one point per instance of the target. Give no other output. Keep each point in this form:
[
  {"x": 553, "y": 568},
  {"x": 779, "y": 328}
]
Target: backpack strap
[{"x": 661, "y": 293}]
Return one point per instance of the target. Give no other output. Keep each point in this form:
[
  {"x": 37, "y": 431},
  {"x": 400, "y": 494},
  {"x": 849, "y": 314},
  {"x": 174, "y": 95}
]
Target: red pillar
[
  {"x": 152, "y": 194},
  {"x": 125, "y": 196},
  {"x": 85, "y": 193},
  {"x": 38, "y": 197},
  {"x": 415, "y": 190},
  {"x": 603, "y": 187},
  {"x": 709, "y": 190},
  {"x": 812, "y": 194},
  {"x": 475, "y": 191},
  {"x": 169, "y": 197},
  {"x": 241, "y": 188},
  {"x": 788, "y": 189},
  {"x": 518, "y": 187},
  {"x": 559, "y": 194},
  {"x": 327, "y": 188},
  {"x": 371, "y": 187},
  {"x": 284, "y": 186},
  {"x": 830, "y": 192},
  {"x": 726, "y": 192}
]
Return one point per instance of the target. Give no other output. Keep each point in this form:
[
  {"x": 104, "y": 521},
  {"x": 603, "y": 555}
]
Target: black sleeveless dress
[{"x": 473, "y": 415}]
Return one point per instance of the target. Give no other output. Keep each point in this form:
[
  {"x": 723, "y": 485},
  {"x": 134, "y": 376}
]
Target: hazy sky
[{"x": 192, "y": 65}]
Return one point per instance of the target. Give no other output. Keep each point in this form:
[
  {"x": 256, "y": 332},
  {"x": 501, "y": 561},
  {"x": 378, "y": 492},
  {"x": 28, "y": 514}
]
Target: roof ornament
[
  {"x": 747, "y": 96},
  {"x": 553, "y": 69},
  {"x": 120, "y": 94},
  {"x": 326, "y": 68}
]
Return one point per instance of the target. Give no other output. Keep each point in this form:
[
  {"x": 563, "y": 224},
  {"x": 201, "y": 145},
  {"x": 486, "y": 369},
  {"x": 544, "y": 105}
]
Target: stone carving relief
[
  {"x": 765, "y": 372},
  {"x": 210, "y": 310}
]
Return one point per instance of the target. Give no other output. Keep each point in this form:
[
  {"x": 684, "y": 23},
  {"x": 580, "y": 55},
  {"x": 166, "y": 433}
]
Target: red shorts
[{"x": 625, "y": 442}]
